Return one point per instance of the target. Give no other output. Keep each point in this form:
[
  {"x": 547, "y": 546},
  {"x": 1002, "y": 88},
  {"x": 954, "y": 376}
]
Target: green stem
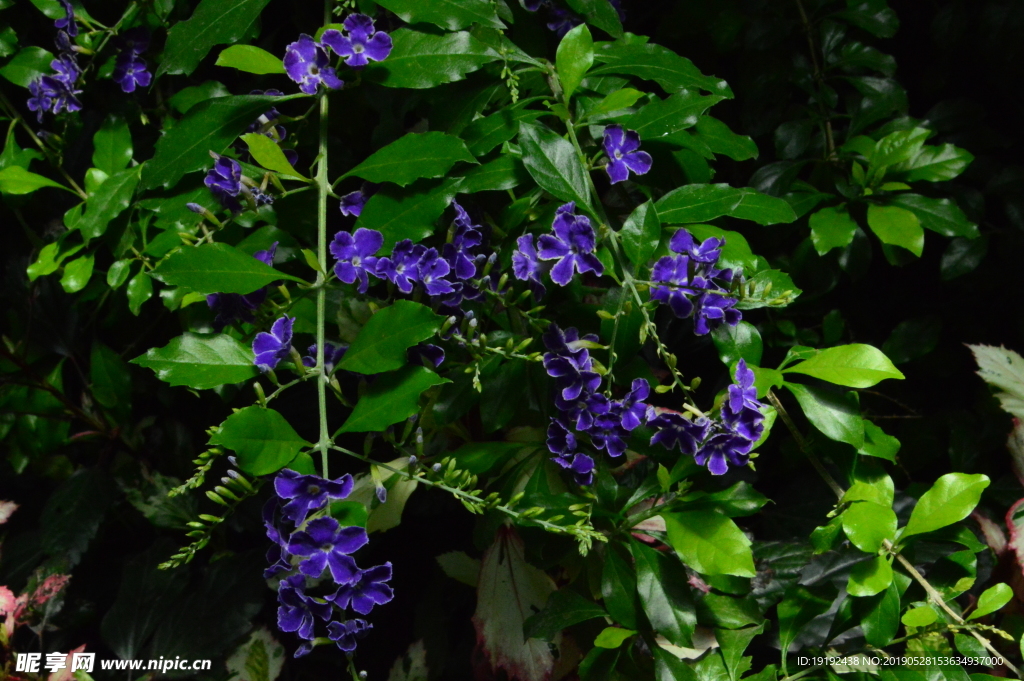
[
  {"x": 805, "y": 447},
  {"x": 323, "y": 187}
]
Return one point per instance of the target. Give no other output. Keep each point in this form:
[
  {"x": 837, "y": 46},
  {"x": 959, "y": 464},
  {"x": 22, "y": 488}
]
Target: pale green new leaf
[
  {"x": 950, "y": 500},
  {"x": 856, "y": 365}
]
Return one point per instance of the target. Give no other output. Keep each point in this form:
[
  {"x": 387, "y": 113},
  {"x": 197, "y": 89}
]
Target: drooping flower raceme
[
  {"x": 360, "y": 44},
  {"x": 56, "y": 93},
  {"x": 306, "y": 62},
  {"x": 572, "y": 244},
  {"x": 67, "y": 22},
  {"x": 130, "y": 68},
  {"x": 624, "y": 155},
  {"x": 271, "y": 348},
  {"x": 225, "y": 182}
]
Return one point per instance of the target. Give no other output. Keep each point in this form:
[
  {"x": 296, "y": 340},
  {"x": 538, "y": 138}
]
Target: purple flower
[
  {"x": 67, "y": 22},
  {"x": 581, "y": 466},
  {"x": 53, "y": 93},
  {"x": 356, "y": 255},
  {"x": 624, "y": 155},
  {"x": 674, "y": 271},
  {"x": 426, "y": 354},
  {"x": 741, "y": 412},
  {"x": 562, "y": 21},
  {"x": 271, "y": 348},
  {"x": 711, "y": 309},
  {"x": 675, "y": 430},
  {"x": 572, "y": 377},
  {"x": 608, "y": 434},
  {"x": 362, "y": 44},
  {"x": 332, "y": 355},
  {"x": 353, "y": 202},
  {"x": 306, "y": 62},
  {"x": 41, "y": 99},
  {"x": 721, "y": 449},
  {"x": 562, "y": 442},
  {"x": 465, "y": 237},
  {"x": 569, "y": 342},
  {"x": 526, "y": 265},
  {"x": 367, "y": 590},
  {"x": 345, "y": 634},
  {"x": 634, "y": 411},
  {"x": 297, "y": 609},
  {"x": 583, "y": 409},
  {"x": 432, "y": 270},
  {"x": 402, "y": 268},
  {"x": 130, "y": 71},
  {"x": 308, "y": 492},
  {"x": 327, "y": 545},
  {"x": 66, "y": 68},
  {"x": 532, "y": 5},
  {"x": 709, "y": 251},
  {"x": 225, "y": 182},
  {"x": 572, "y": 245}
]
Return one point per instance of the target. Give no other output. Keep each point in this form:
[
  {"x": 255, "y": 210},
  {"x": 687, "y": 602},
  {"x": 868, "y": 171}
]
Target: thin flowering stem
[
  {"x": 323, "y": 188},
  {"x": 805, "y": 446},
  {"x": 11, "y": 111}
]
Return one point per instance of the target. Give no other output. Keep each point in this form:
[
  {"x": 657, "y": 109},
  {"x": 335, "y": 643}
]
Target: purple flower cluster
[
  {"x": 308, "y": 542},
  {"x": 56, "y": 92},
  {"x": 571, "y": 245},
  {"x": 582, "y": 408},
  {"x": 562, "y": 20},
  {"x": 271, "y": 348},
  {"x": 716, "y": 444},
  {"x": 353, "y": 202},
  {"x": 307, "y": 62},
  {"x": 130, "y": 68},
  {"x": 623, "y": 149},
  {"x": 227, "y": 184},
  {"x": 231, "y": 307},
  {"x": 692, "y": 285}
]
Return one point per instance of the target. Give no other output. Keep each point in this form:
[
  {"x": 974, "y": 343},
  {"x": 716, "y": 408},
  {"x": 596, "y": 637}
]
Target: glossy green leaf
[
  {"x": 77, "y": 273},
  {"x": 503, "y": 173},
  {"x": 878, "y": 443},
  {"x": 574, "y": 58},
  {"x": 742, "y": 341},
  {"x": 798, "y": 608},
  {"x": 665, "y": 116},
  {"x": 832, "y": 227},
  {"x": 868, "y": 524},
  {"x": 963, "y": 256},
  {"x": 214, "y": 22},
  {"x": 553, "y": 163},
  {"x": 200, "y": 361},
  {"x": 613, "y": 637},
  {"x": 563, "y": 609},
  {"x": 262, "y": 439},
  {"x": 992, "y": 599},
  {"x": 935, "y": 164},
  {"x": 118, "y": 272},
  {"x": 920, "y": 617},
  {"x": 723, "y": 141},
  {"x": 664, "y": 594},
  {"x": 453, "y": 15},
  {"x": 112, "y": 146},
  {"x": 140, "y": 289},
  {"x": 704, "y": 202},
  {"x": 950, "y": 500},
  {"x": 108, "y": 201},
  {"x": 382, "y": 343},
  {"x": 880, "y": 620},
  {"x": 250, "y": 59},
  {"x": 413, "y": 156},
  {"x": 8, "y": 42},
  {"x": 768, "y": 288},
  {"x": 17, "y": 180},
  {"x": 599, "y": 13},
  {"x": 268, "y": 154},
  {"x": 615, "y": 101},
  {"x": 896, "y": 226},
  {"x": 837, "y": 418},
  {"x": 421, "y": 59},
  {"x": 111, "y": 383},
  {"x": 939, "y": 215},
  {"x": 898, "y": 147},
  {"x": 29, "y": 64},
  {"x": 484, "y": 134},
  {"x": 186, "y": 98},
  {"x": 869, "y": 578},
  {"x": 738, "y": 500},
  {"x": 408, "y": 213},
  {"x": 391, "y": 398},
  {"x": 633, "y": 55},
  {"x": 710, "y": 543},
  {"x": 216, "y": 268},
  {"x": 211, "y": 125},
  {"x": 856, "y": 365},
  {"x": 618, "y": 588},
  {"x": 641, "y": 233}
]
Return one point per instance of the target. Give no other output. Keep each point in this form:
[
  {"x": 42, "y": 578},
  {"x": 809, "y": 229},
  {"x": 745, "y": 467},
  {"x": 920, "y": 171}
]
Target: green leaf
[
  {"x": 736, "y": 251},
  {"x": 382, "y": 343},
  {"x": 935, "y": 164},
  {"x": 420, "y": 59},
  {"x": 563, "y": 609},
  {"x": 186, "y": 98},
  {"x": 896, "y": 226},
  {"x": 962, "y": 256},
  {"x": 616, "y": 101},
  {"x": 939, "y": 215},
  {"x": 250, "y": 59},
  {"x": 704, "y": 202},
  {"x": 109, "y": 201},
  {"x": 767, "y": 288},
  {"x": 742, "y": 341},
  {"x": 710, "y": 543},
  {"x": 898, "y": 147},
  {"x": 665, "y": 594},
  {"x": 878, "y": 443},
  {"x": 633, "y": 55},
  {"x": 77, "y": 274},
  {"x": 992, "y": 599},
  {"x": 413, "y": 156},
  {"x": 17, "y": 180},
  {"x": 503, "y": 173},
  {"x": 140, "y": 289},
  {"x": 214, "y": 22},
  {"x": 856, "y": 365},
  {"x": 408, "y": 213},
  {"x": 618, "y": 588},
  {"x": 574, "y": 58},
  {"x": 874, "y": 17},
  {"x": 832, "y": 227},
  {"x": 723, "y": 141},
  {"x": 263, "y": 440},
  {"x": 554, "y": 164},
  {"x": 29, "y": 64},
  {"x": 118, "y": 273},
  {"x": 484, "y": 134},
  {"x": 216, "y": 268},
  {"x": 881, "y": 619},
  {"x": 599, "y": 13},
  {"x": 665, "y": 116},
  {"x": 868, "y": 524},
  {"x": 48, "y": 260},
  {"x": 869, "y": 578},
  {"x": 920, "y": 617},
  {"x": 453, "y": 15},
  {"x": 392, "y": 398},
  {"x": 268, "y": 154},
  {"x": 211, "y": 125},
  {"x": 109, "y": 376},
  {"x": 8, "y": 42},
  {"x": 200, "y": 361},
  {"x": 112, "y": 146},
  {"x": 613, "y": 637},
  {"x": 73, "y": 514},
  {"x": 950, "y": 500},
  {"x": 798, "y": 608},
  {"x": 835, "y": 417},
  {"x": 641, "y": 233}
]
